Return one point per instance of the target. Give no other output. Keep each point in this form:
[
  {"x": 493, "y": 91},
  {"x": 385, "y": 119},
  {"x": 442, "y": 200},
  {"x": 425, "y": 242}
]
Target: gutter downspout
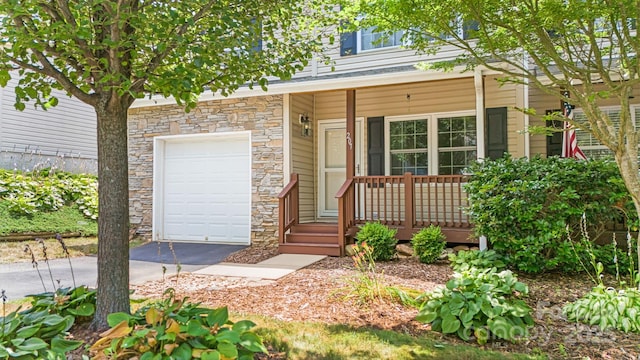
[
  {"x": 478, "y": 82},
  {"x": 527, "y": 135}
]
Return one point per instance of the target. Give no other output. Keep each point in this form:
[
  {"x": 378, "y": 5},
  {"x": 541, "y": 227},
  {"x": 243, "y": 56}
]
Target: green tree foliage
[
  {"x": 109, "y": 53},
  {"x": 586, "y": 47}
]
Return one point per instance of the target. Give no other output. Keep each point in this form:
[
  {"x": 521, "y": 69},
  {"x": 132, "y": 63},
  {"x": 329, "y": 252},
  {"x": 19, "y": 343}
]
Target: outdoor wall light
[{"x": 305, "y": 121}]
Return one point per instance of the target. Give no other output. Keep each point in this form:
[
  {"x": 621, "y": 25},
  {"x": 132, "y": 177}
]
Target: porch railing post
[{"x": 409, "y": 214}]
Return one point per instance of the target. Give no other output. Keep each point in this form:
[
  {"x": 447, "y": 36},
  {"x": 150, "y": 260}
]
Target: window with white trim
[
  {"x": 408, "y": 150},
  {"x": 591, "y": 147},
  {"x": 430, "y": 144},
  {"x": 457, "y": 144}
]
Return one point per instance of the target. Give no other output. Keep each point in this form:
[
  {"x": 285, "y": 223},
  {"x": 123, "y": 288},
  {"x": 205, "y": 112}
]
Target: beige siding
[
  {"x": 302, "y": 158},
  {"x": 401, "y": 99}
]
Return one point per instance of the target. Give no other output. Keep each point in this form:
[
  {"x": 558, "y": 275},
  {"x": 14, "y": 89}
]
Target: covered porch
[{"x": 393, "y": 153}]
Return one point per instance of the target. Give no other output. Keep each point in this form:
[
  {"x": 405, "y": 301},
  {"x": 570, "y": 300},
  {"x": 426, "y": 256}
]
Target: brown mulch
[{"x": 318, "y": 293}]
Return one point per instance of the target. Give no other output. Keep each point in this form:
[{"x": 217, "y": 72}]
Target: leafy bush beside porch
[{"x": 525, "y": 207}]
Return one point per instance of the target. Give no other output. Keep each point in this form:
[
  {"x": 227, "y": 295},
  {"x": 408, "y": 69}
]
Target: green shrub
[
  {"x": 524, "y": 206},
  {"x": 487, "y": 259},
  {"x": 428, "y": 244},
  {"x": 46, "y": 190},
  {"x": 482, "y": 303},
  {"x": 381, "y": 238},
  {"x": 607, "y": 308},
  {"x": 177, "y": 329}
]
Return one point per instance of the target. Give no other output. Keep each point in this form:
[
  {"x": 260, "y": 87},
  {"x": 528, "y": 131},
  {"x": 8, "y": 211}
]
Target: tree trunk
[
  {"x": 113, "y": 219},
  {"x": 629, "y": 171}
]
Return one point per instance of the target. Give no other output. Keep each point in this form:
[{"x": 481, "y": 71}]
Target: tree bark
[
  {"x": 113, "y": 218},
  {"x": 627, "y": 163}
]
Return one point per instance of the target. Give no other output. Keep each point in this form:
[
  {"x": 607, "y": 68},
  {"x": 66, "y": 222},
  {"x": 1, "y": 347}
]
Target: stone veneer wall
[{"x": 261, "y": 115}]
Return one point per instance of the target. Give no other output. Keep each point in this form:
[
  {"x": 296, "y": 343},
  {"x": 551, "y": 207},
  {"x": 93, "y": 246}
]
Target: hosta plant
[
  {"x": 177, "y": 329},
  {"x": 428, "y": 244},
  {"x": 78, "y": 302},
  {"x": 480, "y": 303},
  {"x": 486, "y": 259},
  {"x": 47, "y": 190},
  {"x": 607, "y": 308},
  {"x": 36, "y": 335}
]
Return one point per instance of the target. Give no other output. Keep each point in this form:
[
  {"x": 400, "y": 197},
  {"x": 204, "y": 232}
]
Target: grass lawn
[
  {"x": 308, "y": 340},
  {"x": 65, "y": 220}
]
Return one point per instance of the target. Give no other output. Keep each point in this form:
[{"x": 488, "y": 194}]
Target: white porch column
[
  {"x": 478, "y": 81},
  {"x": 286, "y": 138}
]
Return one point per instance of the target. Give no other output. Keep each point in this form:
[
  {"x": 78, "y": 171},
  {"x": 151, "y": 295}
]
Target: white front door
[{"x": 332, "y": 148}]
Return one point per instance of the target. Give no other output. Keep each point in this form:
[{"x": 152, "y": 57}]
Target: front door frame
[{"x": 322, "y": 212}]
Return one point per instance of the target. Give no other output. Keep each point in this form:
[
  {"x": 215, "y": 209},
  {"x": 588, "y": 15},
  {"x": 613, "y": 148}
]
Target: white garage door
[{"x": 207, "y": 189}]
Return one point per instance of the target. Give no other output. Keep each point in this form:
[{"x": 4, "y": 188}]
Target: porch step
[
  {"x": 310, "y": 249},
  {"x": 312, "y": 238},
  {"x": 324, "y": 228}
]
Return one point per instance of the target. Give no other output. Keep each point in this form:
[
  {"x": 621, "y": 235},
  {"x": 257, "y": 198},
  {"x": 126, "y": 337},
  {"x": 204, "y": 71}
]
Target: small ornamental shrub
[
  {"x": 525, "y": 206},
  {"x": 487, "y": 259},
  {"x": 607, "y": 308},
  {"x": 381, "y": 238},
  {"x": 428, "y": 244},
  {"x": 480, "y": 303},
  {"x": 177, "y": 329}
]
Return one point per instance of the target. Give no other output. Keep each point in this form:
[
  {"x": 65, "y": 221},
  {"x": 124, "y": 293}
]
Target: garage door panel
[{"x": 206, "y": 190}]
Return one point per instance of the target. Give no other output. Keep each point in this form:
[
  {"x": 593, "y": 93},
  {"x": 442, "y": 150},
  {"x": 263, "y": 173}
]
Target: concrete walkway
[
  {"x": 270, "y": 269},
  {"x": 21, "y": 279}
]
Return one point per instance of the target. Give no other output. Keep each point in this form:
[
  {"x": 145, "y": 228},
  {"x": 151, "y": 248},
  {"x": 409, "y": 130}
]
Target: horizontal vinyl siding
[
  {"x": 428, "y": 97},
  {"x": 302, "y": 155},
  {"x": 67, "y": 129},
  {"x": 378, "y": 59}
]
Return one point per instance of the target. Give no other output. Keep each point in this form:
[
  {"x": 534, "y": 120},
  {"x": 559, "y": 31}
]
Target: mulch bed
[{"x": 318, "y": 293}]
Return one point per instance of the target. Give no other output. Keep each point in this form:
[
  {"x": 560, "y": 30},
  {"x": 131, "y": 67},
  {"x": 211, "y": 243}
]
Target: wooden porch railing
[
  {"x": 406, "y": 202},
  {"x": 346, "y": 211},
  {"x": 289, "y": 211}
]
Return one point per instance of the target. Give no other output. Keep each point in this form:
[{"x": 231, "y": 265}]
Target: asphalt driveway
[{"x": 146, "y": 263}]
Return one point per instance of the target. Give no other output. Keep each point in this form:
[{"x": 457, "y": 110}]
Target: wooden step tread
[
  {"x": 311, "y": 238},
  {"x": 310, "y": 249}
]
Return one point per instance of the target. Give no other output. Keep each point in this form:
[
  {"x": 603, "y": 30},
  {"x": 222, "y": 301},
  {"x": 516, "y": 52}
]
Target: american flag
[{"x": 570, "y": 147}]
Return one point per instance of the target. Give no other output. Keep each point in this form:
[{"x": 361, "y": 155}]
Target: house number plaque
[{"x": 349, "y": 141}]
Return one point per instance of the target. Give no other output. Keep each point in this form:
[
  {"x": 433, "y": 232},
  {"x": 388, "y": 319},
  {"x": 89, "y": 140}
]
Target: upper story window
[{"x": 370, "y": 39}]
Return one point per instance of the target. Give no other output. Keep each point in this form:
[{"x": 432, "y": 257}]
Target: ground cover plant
[
  {"x": 529, "y": 204},
  {"x": 48, "y": 201},
  {"x": 177, "y": 329},
  {"x": 49, "y": 190},
  {"x": 605, "y": 306}
]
